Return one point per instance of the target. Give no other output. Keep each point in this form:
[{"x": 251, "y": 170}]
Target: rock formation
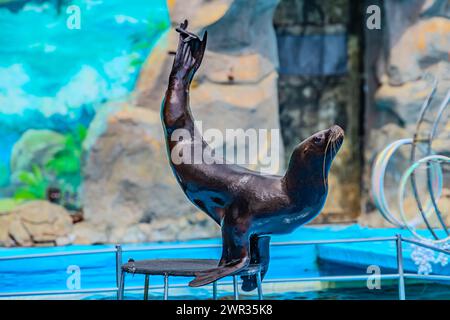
[
  {"x": 130, "y": 194},
  {"x": 36, "y": 223},
  {"x": 416, "y": 37}
]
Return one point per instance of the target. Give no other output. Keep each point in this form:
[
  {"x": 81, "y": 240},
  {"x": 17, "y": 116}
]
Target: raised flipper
[
  {"x": 175, "y": 111},
  {"x": 189, "y": 54},
  {"x": 259, "y": 252},
  {"x": 235, "y": 254}
]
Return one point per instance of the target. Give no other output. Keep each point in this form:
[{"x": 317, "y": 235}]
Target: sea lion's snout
[
  {"x": 335, "y": 139},
  {"x": 336, "y": 134},
  {"x": 322, "y": 142},
  {"x": 337, "y": 130}
]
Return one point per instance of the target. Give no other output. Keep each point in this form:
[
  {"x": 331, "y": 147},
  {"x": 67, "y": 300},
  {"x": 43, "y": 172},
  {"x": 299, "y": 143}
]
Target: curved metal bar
[
  {"x": 423, "y": 111},
  {"x": 434, "y": 173},
  {"x": 405, "y": 177},
  {"x": 378, "y": 174},
  {"x": 377, "y": 183},
  {"x": 432, "y": 135}
]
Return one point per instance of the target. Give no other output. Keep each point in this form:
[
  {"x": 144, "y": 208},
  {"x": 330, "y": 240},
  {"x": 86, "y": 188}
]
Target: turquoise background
[{"x": 53, "y": 77}]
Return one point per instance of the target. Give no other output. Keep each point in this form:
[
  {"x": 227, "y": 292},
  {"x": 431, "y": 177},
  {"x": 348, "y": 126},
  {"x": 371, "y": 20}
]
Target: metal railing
[{"x": 118, "y": 251}]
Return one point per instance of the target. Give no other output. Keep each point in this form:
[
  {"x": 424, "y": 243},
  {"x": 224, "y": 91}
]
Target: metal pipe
[
  {"x": 377, "y": 180},
  {"x": 121, "y": 287},
  {"x": 146, "y": 287},
  {"x": 172, "y": 247},
  {"x": 180, "y": 285},
  {"x": 234, "y": 282},
  {"x": 166, "y": 286},
  {"x": 118, "y": 263},
  {"x": 401, "y": 193},
  {"x": 175, "y": 247},
  {"x": 215, "y": 290},
  {"x": 283, "y": 243},
  {"x": 427, "y": 277},
  {"x": 57, "y": 292},
  {"x": 333, "y": 241},
  {"x": 418, "y": 243},
  {"x": 422, "y": 113},
  {"x": 432, "y": 135},
  {"x": 56, "y": 254},
  {"x": 401, "y": 278},
  {"x": 235, "y": 288},
  {"x": 333, "y": 278},
  {"x": 259, "y": 285}
]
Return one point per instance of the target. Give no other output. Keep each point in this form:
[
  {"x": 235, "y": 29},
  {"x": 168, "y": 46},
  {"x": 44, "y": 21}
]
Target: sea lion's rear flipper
[
  {"x": 235, "y": 255},
  {"x": 189, "y": 54},
  {"x": 259, "y": 251},
  {"x": 208, "y": 276}
]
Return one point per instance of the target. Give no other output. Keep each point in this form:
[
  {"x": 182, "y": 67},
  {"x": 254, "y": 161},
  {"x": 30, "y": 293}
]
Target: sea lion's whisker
[{"x": 324, "y": 162}]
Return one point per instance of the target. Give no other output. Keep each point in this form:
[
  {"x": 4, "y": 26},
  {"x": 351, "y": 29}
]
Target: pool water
[
  {"x": 423, "y": 291},
  {"x": 287, "y": 262}
]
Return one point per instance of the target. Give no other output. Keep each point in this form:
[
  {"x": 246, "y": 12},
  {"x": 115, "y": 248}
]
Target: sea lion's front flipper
[
  {"x": 235, "y": 254},
  {"x": 189, "y": 54},
  {"x": 259, "y": 252}
]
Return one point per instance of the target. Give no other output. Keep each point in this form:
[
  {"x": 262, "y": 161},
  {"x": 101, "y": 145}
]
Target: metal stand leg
[
  {"x": 146, "y": 287},
  {"x": 121, "y": 288},
  {"x": 259, "y": 285},
  {"x": 235, "y": 287},
  {"x": 166, "y": 286},
  {"x": 401, "y": 276},
  {"x": 215, "y": 290},
  {"x": 118, "y": 263}
]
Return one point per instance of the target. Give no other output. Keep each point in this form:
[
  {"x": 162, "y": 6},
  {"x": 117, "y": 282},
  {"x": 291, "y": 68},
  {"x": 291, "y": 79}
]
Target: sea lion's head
[
  {"x": 323, "y": 145},
  {"x": 312, "y": 158}
]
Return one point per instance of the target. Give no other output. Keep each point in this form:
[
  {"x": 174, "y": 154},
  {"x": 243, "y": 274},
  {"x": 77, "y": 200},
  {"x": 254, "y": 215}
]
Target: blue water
[
  {"x": 53, "y": 77},
  {"x": 98, "y": 271}
]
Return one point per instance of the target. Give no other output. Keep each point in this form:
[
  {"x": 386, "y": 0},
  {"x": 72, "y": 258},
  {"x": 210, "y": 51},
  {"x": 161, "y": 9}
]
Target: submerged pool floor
[{"x": 94, "y": 271}]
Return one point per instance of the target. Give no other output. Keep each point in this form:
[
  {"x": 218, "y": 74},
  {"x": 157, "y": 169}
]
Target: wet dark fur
[{"x": 248, "y": 206}]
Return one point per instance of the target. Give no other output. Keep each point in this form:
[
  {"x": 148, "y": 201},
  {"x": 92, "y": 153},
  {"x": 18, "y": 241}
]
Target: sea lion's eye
[{"x": 317, "y": 140}]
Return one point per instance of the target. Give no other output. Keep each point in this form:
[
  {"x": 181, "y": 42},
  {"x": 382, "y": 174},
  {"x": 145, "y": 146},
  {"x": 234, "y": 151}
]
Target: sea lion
[{"x": 247, "y": 205}]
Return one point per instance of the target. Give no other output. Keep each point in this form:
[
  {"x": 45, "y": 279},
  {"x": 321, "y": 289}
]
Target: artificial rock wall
[
  {"x": 402, "y": 58},
  {"x": 130, "y": 194},
  {"x": 319, "y": 86}
]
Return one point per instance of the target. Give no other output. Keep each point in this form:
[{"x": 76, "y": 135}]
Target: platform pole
[
  {"x": 235, "y": 288},
  {"x": 259, "y": 285},
  {"x": 215, "y": 290},
  {"x": 118, "y": 264},
  {"x": 146, "y": 287},
  {"x": 401, "y": 275},
  {"x": 166, "y": 286},
  {"x": 121, "y": 287}
]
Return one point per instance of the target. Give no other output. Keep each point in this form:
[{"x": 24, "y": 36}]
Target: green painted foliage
[
  {"x": 34, "y": 185},
  {"x": 63, "y": 170},
  {"x": 68, "y": 160},
  {"x": 4, "y": 175}
]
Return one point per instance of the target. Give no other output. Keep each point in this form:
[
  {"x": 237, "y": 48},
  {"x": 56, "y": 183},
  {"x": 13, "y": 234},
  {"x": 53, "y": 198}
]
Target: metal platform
[{"x": 180, "y": 268}]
